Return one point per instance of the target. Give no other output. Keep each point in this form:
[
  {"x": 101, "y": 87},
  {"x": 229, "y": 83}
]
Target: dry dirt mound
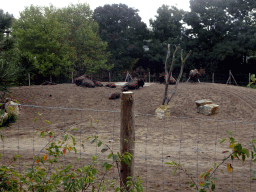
[{"x": 236, "y": 103}]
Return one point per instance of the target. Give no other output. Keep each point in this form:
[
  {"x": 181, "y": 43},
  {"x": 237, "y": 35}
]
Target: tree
[
  {"x": 8, "y": 64},
  {"x": 166, "y": 29},
  {"x": 221, "y": 32},
  {"x": 40, "y": 36},
  {"x": 124, "y": 31},
  {"x": 90, "y": 50}
]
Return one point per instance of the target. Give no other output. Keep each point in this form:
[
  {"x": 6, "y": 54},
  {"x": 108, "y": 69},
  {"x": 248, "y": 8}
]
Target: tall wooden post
[{"x": 127, "y": 136}]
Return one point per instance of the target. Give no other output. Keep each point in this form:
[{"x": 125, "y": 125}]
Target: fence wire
[{"x": 192, "y": 142}]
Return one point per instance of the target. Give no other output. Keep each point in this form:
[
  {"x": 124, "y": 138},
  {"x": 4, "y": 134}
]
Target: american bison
[
  {"x": 133, "y": 85},
  {"x": 48, "y": 83},
  {"x": 97, "y": 83},
  {"x": 194, "y": 75},
  {"x": 88, "y": 83},
  {"x": 79, "y": 80},
  {"x": 114, "y": 95},
  {"x": 172, "y": 80},
  {"x": 111, "y": 85}
]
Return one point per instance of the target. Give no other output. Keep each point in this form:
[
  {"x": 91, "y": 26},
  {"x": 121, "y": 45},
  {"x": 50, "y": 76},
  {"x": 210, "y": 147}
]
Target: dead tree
[{"x": 167, "y": 99}]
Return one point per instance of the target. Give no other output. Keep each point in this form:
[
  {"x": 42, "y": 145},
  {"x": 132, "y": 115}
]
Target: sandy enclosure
[{"x": 186, "y": 137}]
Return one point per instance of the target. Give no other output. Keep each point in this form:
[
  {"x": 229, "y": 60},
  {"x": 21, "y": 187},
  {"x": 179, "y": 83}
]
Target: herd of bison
[{"x": 84, "y": 81}]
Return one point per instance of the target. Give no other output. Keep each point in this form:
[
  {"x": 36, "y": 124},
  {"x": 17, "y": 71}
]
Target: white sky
[{"x": 146, "y": 9}]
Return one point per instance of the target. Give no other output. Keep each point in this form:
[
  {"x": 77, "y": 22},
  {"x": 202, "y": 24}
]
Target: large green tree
[
  {"x": 167, "y": 28},
  {"x": 9, "y": 67},
  {"x": 122, "y": 28},
  {"x": 41, "y": 39},
  {"x": 221, "y": 32},
  {"x": 90, "y": 51}
]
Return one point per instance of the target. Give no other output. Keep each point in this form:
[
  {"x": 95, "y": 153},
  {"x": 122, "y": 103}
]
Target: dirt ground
[{"x": 186, "y": 137}]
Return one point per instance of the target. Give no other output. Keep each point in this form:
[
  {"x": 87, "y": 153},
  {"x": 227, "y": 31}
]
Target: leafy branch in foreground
[
  {"x": 208, "y": 181},
  {"x": 41, "y": 175}
]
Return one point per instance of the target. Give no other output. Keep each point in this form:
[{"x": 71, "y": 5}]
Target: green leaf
[
  {"x": 229, "y": 132},
  {"x": 35, "y": 120},
  {"x": 74, "y": 129},
  {"x": 46, "y": 121},
  {"x": 222, "y": 140},
  {"x": 174, "y": 171},
  {"x": 65, "y": 137},
  {"x": 213, "y": 186},
  {"x": 201, "y": 176},
  {"x": 99, "y": 143},
  {"x": 110, "y": 155},
  {"x": 215, "y": 165},
  {"x": 114, "y": 157},
  {"x": 108, "y": 166}
]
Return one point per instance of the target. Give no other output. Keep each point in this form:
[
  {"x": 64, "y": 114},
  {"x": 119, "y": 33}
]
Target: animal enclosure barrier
[{"x": 192, "y": 142}]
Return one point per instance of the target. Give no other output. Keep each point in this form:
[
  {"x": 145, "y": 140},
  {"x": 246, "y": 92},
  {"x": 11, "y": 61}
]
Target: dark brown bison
[
  {"x": 194, "y": 75},
  {"x": 97, "y": 83},
  {"x": 111, "y": 85},
  {"x": 79, "y": 80},
  {"x": 172, "y": 80},
  {"x": 115, "y": 95},
  {"x": 48, "y": 83},
  {"x": 133, "y": 85},
  {"x": 88, "y": 83}
]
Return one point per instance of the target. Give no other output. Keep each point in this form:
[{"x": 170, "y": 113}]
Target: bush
[{"x": 38, "y": 178}]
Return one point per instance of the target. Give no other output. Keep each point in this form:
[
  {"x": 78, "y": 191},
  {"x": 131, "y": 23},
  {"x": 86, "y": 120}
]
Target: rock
[
  {"x": 203, "y": 102},
  {"x": 15, "y": 107},
  {"x": 4, "y": 116},
  {"x": 162, "y": 111},
  {"x": 208, "y": 109}
]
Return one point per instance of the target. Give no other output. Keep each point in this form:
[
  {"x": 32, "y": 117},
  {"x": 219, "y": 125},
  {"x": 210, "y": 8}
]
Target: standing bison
[
  {"x": 133, "y": 85},
  {"x": 194, "y": 75}
]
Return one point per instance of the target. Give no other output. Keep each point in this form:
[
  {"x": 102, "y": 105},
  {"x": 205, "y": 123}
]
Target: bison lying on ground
[
  {"x": 115, "y": 95},
  {"x": 133, "y": 85},
  {"x": 97, "y": 83},
  {"x": 48, "y": 83},
  {"x": 111, "y": 85},
  {"x": 172, "y": 80},
  {"x": 88, "y": 83},
  {"x": 79, "y": 80}
]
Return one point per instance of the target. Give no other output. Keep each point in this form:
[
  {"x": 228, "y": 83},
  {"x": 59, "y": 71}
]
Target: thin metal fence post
[{"x": 29, "y": 79}]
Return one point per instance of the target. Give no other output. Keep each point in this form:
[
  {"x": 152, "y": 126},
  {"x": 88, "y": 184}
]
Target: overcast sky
[{"x": 146, "y": 9}]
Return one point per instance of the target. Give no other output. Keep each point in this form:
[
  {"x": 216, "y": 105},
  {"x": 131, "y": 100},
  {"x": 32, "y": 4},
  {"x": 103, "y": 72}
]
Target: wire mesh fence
[
  {"x": 106, "y": 76},
  {"x": 192, "y": 142}
]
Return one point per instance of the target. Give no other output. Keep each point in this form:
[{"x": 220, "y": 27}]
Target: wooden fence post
[{"x": 127, "y": 136}]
